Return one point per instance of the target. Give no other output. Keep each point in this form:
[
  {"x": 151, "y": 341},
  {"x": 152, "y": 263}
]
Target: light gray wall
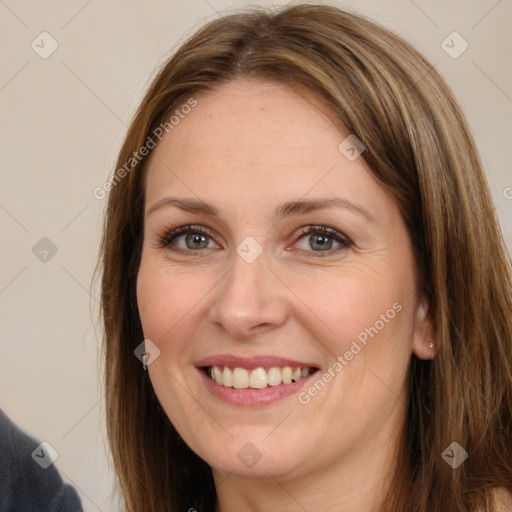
[{"x": 63, "y": 119}]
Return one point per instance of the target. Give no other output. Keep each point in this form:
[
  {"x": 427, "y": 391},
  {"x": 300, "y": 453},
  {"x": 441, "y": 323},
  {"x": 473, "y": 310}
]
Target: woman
[{"x": 306, "y": 295}]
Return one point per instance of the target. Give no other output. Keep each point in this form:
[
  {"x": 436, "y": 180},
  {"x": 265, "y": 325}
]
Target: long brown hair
[{"x": 420, "y": 149}]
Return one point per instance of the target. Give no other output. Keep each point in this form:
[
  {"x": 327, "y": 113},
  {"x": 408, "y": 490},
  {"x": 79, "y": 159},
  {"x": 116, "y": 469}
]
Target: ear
[{"x": 424, "y": 343}]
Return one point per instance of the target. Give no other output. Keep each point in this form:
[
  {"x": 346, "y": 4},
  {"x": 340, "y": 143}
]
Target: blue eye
[
  {"x": 320, "y": 239},
  {"x": 193, "y": 238}
]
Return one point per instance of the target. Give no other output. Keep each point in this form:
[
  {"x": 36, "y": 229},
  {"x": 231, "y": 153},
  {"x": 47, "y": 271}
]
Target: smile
[
  {"x": 257, "y": 378},
  {"x": 253, "y": 381}
]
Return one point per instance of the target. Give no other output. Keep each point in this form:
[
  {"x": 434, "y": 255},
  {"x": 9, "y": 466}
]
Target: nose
[{"x": 250, "y": 300}]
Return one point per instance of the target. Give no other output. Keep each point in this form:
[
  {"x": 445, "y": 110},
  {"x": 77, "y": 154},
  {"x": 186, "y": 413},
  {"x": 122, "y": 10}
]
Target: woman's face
[{"x": 249, "y": 289}]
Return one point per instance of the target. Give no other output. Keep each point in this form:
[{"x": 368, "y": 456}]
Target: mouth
[
  {"x": 256, "y": 378},
  {"x": 253, "y": 381}
]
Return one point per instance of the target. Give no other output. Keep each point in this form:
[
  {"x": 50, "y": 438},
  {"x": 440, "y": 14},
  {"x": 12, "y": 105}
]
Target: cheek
[
  {"x": 152, "y": 301},
  {"x": 166, "y": 302},
  {"x": 350, "y": 306},
  {"x": 363, "y": 323},
  {"x": 164, "y": 298}
]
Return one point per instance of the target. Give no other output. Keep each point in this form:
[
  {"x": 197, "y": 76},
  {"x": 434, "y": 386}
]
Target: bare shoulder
[{"x": 502, "y": 499}]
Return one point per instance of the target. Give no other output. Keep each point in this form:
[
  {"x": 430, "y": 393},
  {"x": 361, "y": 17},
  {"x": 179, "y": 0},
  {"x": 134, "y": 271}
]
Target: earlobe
[{"x": 424, "y": 344}]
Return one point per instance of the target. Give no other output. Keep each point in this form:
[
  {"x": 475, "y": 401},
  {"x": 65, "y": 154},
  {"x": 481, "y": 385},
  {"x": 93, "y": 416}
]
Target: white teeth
[
  {"x": 240, "y": 378},
  {"x": 258, "y": 378},
  {"x": 216, "y": 374},
  {"x": 226, "y": 378},
  {"x": 274, "y": 376},
  {"x": 287, "y": 373}
]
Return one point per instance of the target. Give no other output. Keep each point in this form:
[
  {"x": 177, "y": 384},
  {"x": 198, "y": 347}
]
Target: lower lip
[{"x": 252, "y": 397}]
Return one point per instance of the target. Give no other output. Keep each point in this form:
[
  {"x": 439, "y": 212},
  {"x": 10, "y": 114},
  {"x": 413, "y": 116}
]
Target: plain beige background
[{"x": 63, "y": 120}]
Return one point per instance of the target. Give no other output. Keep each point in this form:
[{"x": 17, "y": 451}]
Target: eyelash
[{"x": 170, "y": 235}]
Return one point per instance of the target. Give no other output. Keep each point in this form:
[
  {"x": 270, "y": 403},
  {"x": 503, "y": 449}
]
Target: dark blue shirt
[{"x": 24, "y": 485}]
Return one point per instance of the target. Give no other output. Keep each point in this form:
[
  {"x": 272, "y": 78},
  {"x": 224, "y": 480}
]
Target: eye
[
  {"x": 321, "y": 239},
  {"x": 186, "y": 239},
  {"x": 194, "y": 238}
]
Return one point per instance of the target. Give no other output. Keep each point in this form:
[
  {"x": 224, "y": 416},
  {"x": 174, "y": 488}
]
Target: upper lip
[{"x": 252, "y": 362}]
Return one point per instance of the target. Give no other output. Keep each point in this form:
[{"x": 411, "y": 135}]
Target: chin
[{"x": 253, "y": 453}]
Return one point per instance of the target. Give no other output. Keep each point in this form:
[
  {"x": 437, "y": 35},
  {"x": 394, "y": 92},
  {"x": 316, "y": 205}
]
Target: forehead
[{"x": 251, "y": 140}]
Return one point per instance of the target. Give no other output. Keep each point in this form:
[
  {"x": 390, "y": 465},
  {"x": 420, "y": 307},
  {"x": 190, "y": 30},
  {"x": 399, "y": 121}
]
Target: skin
[{"x": 246, "y": 148}]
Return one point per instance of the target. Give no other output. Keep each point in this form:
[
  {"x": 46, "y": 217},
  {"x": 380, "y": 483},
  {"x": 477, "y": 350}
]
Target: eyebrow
[
  {"x": 309, "y": 205},
  {"x": 193, "y": 205}
]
